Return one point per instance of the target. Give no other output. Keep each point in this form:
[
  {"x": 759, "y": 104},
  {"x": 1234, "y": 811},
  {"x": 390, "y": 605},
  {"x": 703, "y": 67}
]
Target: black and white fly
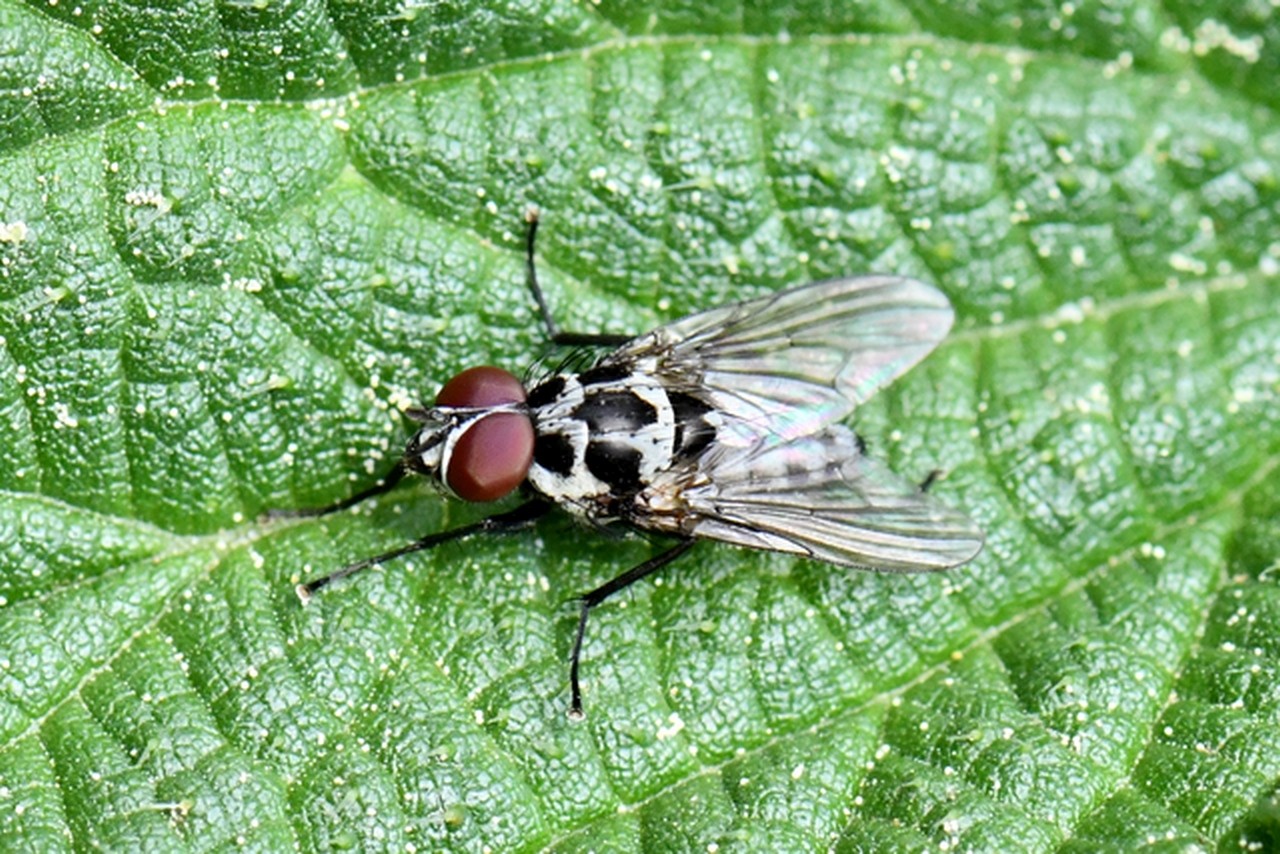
[{"x": 720, "y": 426}]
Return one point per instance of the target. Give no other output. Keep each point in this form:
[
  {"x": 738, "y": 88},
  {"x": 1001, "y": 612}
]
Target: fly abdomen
[{"x": 694, "y": 432}]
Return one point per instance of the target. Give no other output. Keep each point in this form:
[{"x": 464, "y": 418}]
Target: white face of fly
[{"x": 425, "y": 451}]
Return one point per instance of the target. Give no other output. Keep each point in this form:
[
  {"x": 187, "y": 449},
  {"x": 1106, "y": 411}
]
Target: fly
[{"x": 720, "y": 426}]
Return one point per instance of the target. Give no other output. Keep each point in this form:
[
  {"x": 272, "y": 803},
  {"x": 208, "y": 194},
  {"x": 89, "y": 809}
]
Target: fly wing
[
  {"x": 787, "y": 365},
  {"x": 821, "y": 497}
]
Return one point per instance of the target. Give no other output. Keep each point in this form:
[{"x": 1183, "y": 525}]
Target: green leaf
[{"x": 235, "y": 241}]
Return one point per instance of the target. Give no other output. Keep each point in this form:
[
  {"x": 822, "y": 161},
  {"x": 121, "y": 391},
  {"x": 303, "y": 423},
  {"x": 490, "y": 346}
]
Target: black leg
[
  {"x": 603, "y": 592},
  {"x": 930, "y": 479},
  {"x": 386, "y": 484},
  {"x": 862, "y": 443},
  {"x": 501, "y": 523},
  {"x": 571, "y": 339}
]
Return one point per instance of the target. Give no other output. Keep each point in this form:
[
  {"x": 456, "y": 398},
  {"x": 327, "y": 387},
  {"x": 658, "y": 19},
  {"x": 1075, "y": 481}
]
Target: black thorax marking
[{"x": 603, "y": 435}]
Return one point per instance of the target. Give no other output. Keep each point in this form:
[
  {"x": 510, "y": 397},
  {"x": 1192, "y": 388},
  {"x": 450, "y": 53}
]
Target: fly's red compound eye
[
  {"x": 493, "y": 455},
  {"x": 482, "y": 386}
]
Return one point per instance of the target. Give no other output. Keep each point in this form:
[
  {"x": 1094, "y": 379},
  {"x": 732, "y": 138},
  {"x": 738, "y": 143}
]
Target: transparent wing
[
  {"x": 787, "y": 365},
  {"x": 820, "y": 497}
]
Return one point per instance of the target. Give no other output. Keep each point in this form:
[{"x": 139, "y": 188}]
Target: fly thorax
[{"x": 605, "y": 434}]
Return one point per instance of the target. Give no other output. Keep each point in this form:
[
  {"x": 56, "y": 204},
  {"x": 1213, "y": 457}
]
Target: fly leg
[
  {"x": 571, "y": 339},
  {"x": 603, "y": 592},
  {"x": 501, "y": 523},
  {"x": 383, "y": 486},
  {"x": 930, "y": 479}
]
